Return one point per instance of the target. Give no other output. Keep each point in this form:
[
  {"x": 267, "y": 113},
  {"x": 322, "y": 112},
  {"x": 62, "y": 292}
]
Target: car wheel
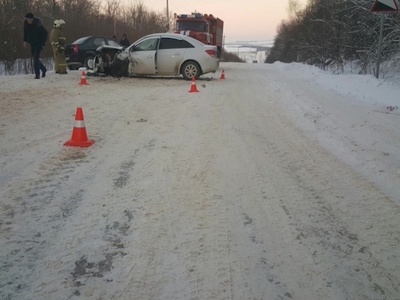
[
  {"x": 96, "y": 64},
  {"x": 191, "y": 69},
  {"x": 89, "y": 62}
]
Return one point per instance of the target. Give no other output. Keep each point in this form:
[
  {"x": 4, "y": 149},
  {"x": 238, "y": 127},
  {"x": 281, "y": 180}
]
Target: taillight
[
  {"x": 76, "y": 48},
  {"x": 212, "y": 53}
]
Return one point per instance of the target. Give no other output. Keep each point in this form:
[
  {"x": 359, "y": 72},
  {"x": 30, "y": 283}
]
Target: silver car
[{"x": 159, "y": 54}]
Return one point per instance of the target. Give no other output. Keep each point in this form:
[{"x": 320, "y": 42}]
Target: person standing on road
[
  {"x": 35, "y": 35},
  {"x": 58, "y": 42},
  {"x": 124, "y": 41}
]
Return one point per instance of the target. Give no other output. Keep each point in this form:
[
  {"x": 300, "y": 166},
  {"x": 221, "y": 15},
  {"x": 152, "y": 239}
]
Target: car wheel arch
[{"x": 187, "y": 63}]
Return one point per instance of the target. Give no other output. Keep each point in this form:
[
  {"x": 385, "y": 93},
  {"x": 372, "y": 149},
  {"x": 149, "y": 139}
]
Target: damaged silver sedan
[{"x": 160, "y": 54}]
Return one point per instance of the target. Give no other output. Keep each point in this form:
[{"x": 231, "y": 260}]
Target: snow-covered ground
[
  {"x": 280, "y": 182},
  {"x": 247, "y": 54}
]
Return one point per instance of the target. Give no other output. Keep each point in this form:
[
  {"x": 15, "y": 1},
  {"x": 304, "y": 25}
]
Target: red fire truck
[{"x": 205, "y": 28}]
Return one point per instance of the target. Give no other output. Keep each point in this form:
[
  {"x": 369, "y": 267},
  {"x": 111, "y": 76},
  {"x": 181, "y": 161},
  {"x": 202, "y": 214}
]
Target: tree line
[
  {"x": 82, "y": 17},
  {"x": 327, "y": 32}
]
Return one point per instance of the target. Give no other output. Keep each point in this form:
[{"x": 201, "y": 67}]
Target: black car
[{"x": 82, "y": 52}]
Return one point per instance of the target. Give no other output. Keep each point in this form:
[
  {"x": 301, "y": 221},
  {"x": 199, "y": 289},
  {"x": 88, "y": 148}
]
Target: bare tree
[
  {"x": 111, "y": 11},
  {"x": 83, "y": 18},
  {"x": 332, "y": 31}
]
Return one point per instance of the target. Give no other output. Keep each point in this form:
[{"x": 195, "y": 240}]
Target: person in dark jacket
[
  {"x": 124, "y": 41},
  {"x": 35, "y": 35}
]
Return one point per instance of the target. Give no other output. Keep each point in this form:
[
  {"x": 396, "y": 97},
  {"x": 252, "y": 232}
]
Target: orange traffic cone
[
  {"x": 79, "y": 137},
  {"x": 222, "y": 75},
  {"x": 83, "y": 79},
  {"x": 193, "y": 87}
]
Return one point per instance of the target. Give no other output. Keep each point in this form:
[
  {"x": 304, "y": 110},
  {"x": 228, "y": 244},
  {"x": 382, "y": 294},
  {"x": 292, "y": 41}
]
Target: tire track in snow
[
  {"x": 198, "y": 217},
  {"x": 35, "y": 222},
  {"x": 324, "y": 221}
]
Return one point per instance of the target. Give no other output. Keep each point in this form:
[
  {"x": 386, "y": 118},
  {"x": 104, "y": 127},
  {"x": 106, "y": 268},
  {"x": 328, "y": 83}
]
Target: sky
[{"x": 255, "y": 20}]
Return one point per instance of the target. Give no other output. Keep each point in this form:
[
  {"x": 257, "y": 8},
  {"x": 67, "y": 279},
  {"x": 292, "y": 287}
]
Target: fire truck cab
[{"x": 205, "y": 28}]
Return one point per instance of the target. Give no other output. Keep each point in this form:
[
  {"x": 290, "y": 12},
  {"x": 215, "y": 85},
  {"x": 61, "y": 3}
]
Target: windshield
[
  {"x": 113, "y": 43},
  {"x": 195, "y": 26}
]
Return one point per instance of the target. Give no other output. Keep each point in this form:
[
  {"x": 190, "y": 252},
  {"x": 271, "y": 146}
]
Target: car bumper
[
  {"x": 73, "y": 60},
  {"x": 210, "y": 66}
]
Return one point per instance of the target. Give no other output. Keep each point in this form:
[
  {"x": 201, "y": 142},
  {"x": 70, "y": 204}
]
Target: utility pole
[
  {"x": 167, "y": 17},
  {"x": 378, "y": 60}
]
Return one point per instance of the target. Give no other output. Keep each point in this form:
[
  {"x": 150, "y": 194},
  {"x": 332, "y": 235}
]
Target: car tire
[
  {"x": 89, "y": 62},
  {"x": 190, "y": 69}
]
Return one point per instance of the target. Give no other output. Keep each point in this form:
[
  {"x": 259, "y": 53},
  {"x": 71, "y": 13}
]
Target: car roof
[
  {"x": 85, "y": 38},
  {"x": 174, "y": 35}
]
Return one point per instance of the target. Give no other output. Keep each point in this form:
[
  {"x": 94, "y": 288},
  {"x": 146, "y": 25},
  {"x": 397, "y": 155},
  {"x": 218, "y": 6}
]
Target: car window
[
  {"x": 195, "y": 26},
  {"x": 99, "y": 42},
  {"x": 146, "y": 45},
  {"x": 81, "y": 40},
  {"x": 113, "y": 43},
  {"x": 170, "y": 43}
]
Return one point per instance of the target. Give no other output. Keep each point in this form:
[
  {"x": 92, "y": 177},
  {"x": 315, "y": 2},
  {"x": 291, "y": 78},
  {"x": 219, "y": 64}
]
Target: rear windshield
[
  {"x": 195, "y": 26},
  {"x": 81, "y": 40}
]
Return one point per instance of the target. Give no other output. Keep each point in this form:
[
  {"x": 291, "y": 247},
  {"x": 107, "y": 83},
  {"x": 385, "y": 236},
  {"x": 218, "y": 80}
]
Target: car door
[
  {"x": 170, "y": 54},
  {"x": 142, "y": 55}
]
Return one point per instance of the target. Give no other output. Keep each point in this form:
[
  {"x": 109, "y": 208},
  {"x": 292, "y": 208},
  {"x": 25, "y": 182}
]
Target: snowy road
[{"x": 261, "y": 186}]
